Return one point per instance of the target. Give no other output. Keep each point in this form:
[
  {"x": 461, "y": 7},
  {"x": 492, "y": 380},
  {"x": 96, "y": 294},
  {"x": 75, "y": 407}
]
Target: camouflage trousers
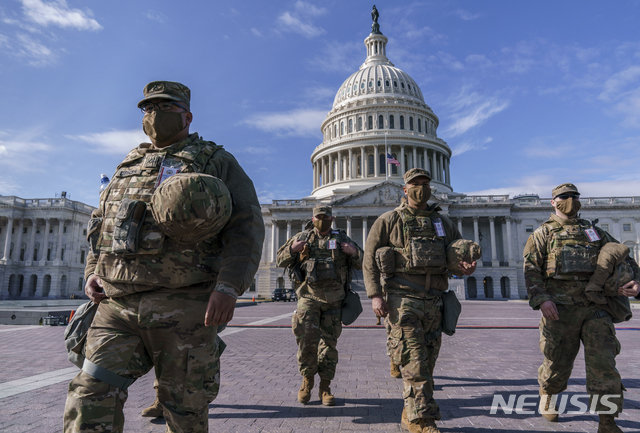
[
  {"x": 130, "y": 335},
  {"x": 317, "y": 326},
  {"x": 413, "y": 341},
  {"x": 560, "y": 343}
]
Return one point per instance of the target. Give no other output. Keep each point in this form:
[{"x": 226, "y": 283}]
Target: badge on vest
[
  {"x": 153, "y": 160},
  {"x": 592, "y": 234},
  {"x": 166, "y": 171},
  {"x": 333, "y": 244},
  {"x": 439, "y": 227}
]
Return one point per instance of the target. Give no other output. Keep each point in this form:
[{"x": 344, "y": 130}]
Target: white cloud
[
  {"x": 449, "y": 61},
  {"x": 289, "y": 22},
  {"x": 614, "y": 86},
  {"x": 466, "y": 15},
  {"x": 113, "y": 142},
  {"x": 470, "y": 145},
  {"x": 257, "y": 150},
  {"x": 470, "y": 109},
  {"x": 303, "y": 122},
  {"x": 156, "y": 16},
  {"x": 478, "y": 61},
  {"x": 305, "y": 8},
  {"x": 415, "y": 33},
  {"x": 32, "y": 50},
  {"x": 256, "y": 32},
  {"x": 544, "y": 147},
  {"x": 58, "y": 13},
  {"x": 24, "y": 154}
]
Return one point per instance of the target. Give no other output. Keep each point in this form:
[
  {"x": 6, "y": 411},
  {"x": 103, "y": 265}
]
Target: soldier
[
  {"x": 559, "y": 259},
  {"x": 325, "y": 258},
  {"x": 175, "y": 240},
  {"x": 407, "y": 247}
]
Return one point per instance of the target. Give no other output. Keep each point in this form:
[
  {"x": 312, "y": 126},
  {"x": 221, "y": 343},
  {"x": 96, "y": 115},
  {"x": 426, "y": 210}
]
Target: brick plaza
[{"x": 260, "y": 378}]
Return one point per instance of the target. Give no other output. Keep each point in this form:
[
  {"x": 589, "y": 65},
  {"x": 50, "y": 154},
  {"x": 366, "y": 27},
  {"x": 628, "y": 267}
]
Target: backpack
[{"x": 75, "y": 335}]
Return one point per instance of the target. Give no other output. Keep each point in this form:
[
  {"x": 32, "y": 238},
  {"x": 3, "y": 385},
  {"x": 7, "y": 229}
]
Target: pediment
[{"x": 384, "y": 194}]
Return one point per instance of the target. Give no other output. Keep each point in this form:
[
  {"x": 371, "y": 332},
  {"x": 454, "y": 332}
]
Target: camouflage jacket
[
  {"x": 389, "y": 231},
  {"x": 325, "y": 271},
  {"x": 540, "y": 262},
  {"x": 230, "y": 258}
]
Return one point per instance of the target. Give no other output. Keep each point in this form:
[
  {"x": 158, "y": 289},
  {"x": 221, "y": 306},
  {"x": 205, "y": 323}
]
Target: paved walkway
[{"x": 260, "y": 378}]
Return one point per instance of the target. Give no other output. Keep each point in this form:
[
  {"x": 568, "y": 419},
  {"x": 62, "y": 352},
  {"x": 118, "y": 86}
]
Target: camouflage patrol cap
[
  {"x": 191, "y": 207},
  {"x": 564, "y": 188},
  {"x": 462, "y": 250},
  {"x": 171, "y": 90},
  {"x": 416, "y": 172},
  {"x": 322, "y": 209}
]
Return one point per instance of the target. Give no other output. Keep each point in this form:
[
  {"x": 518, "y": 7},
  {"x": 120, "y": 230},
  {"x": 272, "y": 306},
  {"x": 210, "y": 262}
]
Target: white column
[
  {"x": 637, "y": 220},
  {"x": 264, "y": 258},
  {"x": 315, "y": 176},
  {"x": 45, "y": 247},
  {"x": 440, "y": 168},
  {"x": 425, "y": 166},
  {"x": 32, "y": 241},
  {"x": 460, "y": 225},
  {"x": 376, "y": 161},
  {"x": 333, "y": 225},
  {"x": 59, "y": 246},
  {"x": 273, "y": 241},
  {"x": 494, "y": 253},
  {"x": 364, "y": 230},
  {"x": 507, "y": 221},
  {"x": 476, "y": 239},
  {"x": 447, "y": 172},
  {"x": 325, "y": 172},
  {"x": 330, "y": 168},
  {"x": 364, "y": 164},
  {"x": 403, "y": 168},
  {"x": 349, "y": 226},
  {"x": 288, "y": 229},
  {"x": 345, "y": 167},
  {"x": 434, "y": 170},
  {"x": 616, "y": 228},
  {"x": 414, "y": 163},
  {"x": 71, "y": 246},
  {"x": 18, "y": 245},
  {"x": 351, "y": 170},
  {"x": 7, "y": 240}
]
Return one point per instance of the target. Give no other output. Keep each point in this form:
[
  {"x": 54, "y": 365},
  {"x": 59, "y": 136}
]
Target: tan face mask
[
  {"x": 419, "y": 193},
  {"x": 322, "y": 225},
  {"x": 162, "y": 126},
  {"x": 569, "y": 207}
]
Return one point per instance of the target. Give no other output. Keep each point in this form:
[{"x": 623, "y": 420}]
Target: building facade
[
  {"x": 43, "y": 247},
  {"x": 380, "y": 110}
]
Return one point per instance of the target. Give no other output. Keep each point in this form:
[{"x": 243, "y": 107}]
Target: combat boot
[
  {"x": 395, "y": 370},
  {"x": 543, "y": 407},
  {"x": 325, "y": 393},
  {"x": 421, "y": 425},
  {"x": 153, "y": 411},
  {"x": 304, "y": 395},
  {"x": 608, "y": 425}
]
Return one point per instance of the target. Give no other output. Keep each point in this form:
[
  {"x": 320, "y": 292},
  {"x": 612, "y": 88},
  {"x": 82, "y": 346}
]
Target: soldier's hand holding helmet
[
  {"x": 467, "y": 268},
  {"x": 631, "y": 289},
  {"x": 298, "y": 246},
  {"x": 348, "y": 248}
]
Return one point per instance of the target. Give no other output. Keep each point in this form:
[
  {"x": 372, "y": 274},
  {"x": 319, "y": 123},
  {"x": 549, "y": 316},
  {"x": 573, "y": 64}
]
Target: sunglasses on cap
[{"x": 568, "y": 196}]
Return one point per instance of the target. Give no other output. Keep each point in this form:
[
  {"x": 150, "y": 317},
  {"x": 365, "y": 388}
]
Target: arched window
[
  {"x": 391, "y": 122},
  {"x": 350, "y": 126},
  {"x": 371, "y": 166},
  {"x": 419, "y": 125},
  {"x": 386, "y": 82},
  {"x": 359, "y": 123},
  {"x": 33, "y": 285},
  {"x": 370, "y": 122},
  {"x": 82, "y": 253},
  {"x": 410, "y": 123},
  {"x": 380, "y": 121},
  {"x": 401, "y": 122},
  {"x": 383, "y": 163},
  {"x": 394, "y": 168}
]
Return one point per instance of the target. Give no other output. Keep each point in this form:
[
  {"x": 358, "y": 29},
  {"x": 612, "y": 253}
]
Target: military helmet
[
  {"x": 191, "y": 207},
  {"x": 462, "y": 250}
]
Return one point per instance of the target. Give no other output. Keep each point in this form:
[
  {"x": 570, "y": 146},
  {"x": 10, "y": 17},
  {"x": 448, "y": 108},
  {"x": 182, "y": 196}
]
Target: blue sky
[{"x": 529, "y": 94}]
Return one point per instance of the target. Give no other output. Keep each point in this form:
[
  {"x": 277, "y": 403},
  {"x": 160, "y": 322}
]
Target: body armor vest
[
  {"x": 424, "y": 251},
  {"x": 149, "y": 257},
  {"x": 570, "y": 254}
]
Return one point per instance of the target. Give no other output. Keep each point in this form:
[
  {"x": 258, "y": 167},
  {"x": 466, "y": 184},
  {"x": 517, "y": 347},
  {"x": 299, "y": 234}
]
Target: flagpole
[{"x": 386, "y": 155}]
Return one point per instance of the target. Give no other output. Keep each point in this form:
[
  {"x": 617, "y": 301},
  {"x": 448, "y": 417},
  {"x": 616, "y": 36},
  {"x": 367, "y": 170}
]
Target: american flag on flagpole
[{"x": 392, "y": 160}]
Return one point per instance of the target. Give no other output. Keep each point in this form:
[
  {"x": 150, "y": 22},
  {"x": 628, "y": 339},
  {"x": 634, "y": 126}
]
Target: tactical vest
[
  {"x": 151, "y": 258},
  {"x": 570, "y": 254},
  {"x": 424, "y": 251},
  {"x": 324, "y": 266}
]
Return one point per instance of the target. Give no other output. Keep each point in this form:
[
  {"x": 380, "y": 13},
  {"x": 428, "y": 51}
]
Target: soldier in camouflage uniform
[
  {"x": 559, "y": 258},
  {"x": 407, "y": 248},
  {"x": 325, "y": 258},
  {"x": 170, "y": 255}
]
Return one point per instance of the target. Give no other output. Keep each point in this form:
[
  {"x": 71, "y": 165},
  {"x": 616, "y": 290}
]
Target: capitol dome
[{"x": 378, "y": 107}]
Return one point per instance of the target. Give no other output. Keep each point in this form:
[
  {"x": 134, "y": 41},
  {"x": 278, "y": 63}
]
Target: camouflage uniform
[
  {"x": 412, "y": 296},
  {"x": 158, "y": 295},
  {"x": 317, "y": 321},
  {"x": 559, "y": 259}
]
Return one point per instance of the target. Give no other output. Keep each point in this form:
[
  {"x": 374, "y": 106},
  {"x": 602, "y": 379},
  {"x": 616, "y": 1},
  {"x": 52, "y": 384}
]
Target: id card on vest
[
  {"x": 169, "y": 168},
  {"x": 592, "y": 234},
  {"x": 439, "y": 227}
]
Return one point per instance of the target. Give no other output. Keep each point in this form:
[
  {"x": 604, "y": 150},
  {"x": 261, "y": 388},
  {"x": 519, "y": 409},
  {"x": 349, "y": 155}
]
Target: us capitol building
[
  {"x": 380, "y": 106},
  {"x": 43, "y": 241}
]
